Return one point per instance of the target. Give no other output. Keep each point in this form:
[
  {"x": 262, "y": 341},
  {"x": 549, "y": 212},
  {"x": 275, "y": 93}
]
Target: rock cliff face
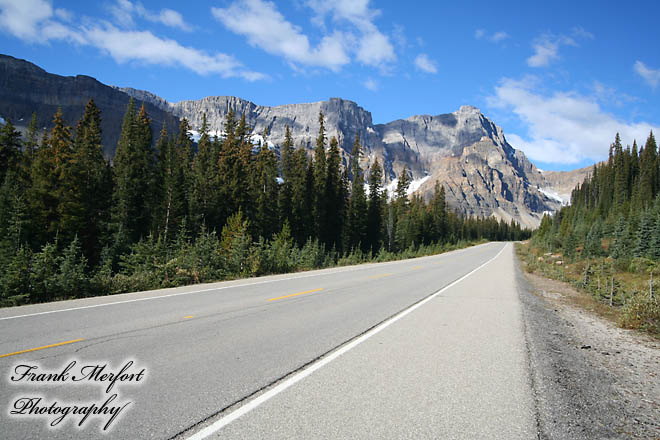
[
  {"x": 26, "y": 88},
  {"x": 463, "y": 150}
]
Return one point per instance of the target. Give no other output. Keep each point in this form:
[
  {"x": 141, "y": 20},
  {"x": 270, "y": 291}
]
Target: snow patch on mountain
[
  {"x": 553, "y": 195},
  {"x": 414, "y": 186}
]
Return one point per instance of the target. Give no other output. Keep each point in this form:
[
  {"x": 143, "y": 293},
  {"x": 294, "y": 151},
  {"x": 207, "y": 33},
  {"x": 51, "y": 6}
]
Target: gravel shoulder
[{"x": 591, "y": 379}]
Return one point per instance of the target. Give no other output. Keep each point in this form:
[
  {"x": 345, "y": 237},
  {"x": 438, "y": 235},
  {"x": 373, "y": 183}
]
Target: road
[{"x": 320, "y": 354}]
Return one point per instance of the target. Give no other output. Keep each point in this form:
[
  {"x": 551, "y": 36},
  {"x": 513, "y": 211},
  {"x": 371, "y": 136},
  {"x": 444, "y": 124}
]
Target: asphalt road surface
[{"x": 431, "y": 347}]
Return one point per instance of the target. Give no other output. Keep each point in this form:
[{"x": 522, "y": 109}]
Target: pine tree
[
  {"x": 654, "y": 250},
  {"x": 334, "y": 200},
  {"x": 320, "y": 174},
  {"x": 439, "y": 213},
  {"x": 204, "y": 183},
  {"x": 134, "y": 166},
  {"x": 302, "y": 197},
  {"x": 51, "y": 192},
  {"x": 285, "y": 206},
  {"x": 10, "y": 149},
  {"x": 173, "y": 209},
  {"x": 30, "y": 146},
  {"x": 357, "y": 221},
  {"x": 645, "y": 234},
  {"x": 620, "y": 177},
  {"x": 648, "y": 171},
  {"x": 90, "y": 176},
  {"x": 402, "y": 185},
  {"x": 234, "y": 168},
  {"x": 375, "y": 209},
  {"x": 593, "y": 244},
  {"x": 266, "y": 189}
]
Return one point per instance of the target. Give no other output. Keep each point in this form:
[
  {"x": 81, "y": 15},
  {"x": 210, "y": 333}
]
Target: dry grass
[{"x": 588, "y": 284}]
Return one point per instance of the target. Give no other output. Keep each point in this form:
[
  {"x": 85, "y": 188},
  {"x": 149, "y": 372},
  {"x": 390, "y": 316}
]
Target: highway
[{"x": 432, "y": 347}]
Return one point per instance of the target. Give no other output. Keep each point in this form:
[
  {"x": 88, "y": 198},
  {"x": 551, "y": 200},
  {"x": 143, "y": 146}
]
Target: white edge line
[
  {"x": 360, "y": 267},
  {"x": 226, "y": 420}
]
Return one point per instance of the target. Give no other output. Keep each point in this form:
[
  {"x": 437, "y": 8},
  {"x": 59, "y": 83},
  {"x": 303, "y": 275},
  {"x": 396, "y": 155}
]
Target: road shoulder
[{"x": 591, "y": 379}]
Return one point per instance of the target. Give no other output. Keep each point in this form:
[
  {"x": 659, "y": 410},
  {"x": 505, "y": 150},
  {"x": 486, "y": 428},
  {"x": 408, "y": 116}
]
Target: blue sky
[{"x": 561, "y": 78}]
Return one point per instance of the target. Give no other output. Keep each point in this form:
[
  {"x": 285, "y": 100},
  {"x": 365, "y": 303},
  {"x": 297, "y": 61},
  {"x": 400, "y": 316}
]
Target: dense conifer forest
[
  {"x": 608, "y": 239},
  {"x": 167, "y": 211}
]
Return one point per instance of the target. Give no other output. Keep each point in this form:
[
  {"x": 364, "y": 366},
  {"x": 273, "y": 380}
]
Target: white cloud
[
  {"x": 266, "y": 28},
  {"x": 545, "y": 51},
  {"x": 64, "y": 14},
  {"x": 173, "y": 19},
  {"x": 651, "y": 76},
  {"x": 36, "y": 21},
  {"x": 499, "y": 36},
  {"x": 399, "y": 37},
  {"x": 143, "y": 46},
  {"x": 354, "y": 34},
  {"x": 374, "y": 47},
  {"x": 425, "y": 64},
  {"x": 564, "y": 127},
  {"x": 123, "y": 12},
  {"x": 24, "y": 18},
  {"x": 371, "y": 84},
  {"x": 33, "y": 21},
  {"x": 546, "y": 47},
  {"x": 495, "y": 37},
  {"x": 580, "y": 32}
]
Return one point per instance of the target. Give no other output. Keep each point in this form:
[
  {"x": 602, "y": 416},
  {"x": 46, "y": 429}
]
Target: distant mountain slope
[
  {"x": 464, "y": 150},
  {"x": 563, "y": 182},
  {"x": 26, "y": 88}
]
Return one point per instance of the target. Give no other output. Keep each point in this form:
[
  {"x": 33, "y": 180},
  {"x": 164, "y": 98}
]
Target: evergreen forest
[
  {"x": 167, "y": 211},
  {"x": 608, "y": 239}
]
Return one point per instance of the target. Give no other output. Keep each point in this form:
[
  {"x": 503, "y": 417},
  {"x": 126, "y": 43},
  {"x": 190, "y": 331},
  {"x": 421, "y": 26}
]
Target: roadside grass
[{"x": 626, "y": 292}]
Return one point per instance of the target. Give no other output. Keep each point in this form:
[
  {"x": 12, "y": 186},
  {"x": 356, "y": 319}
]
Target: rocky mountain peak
[
  {"x": 468, "y": 109},
  {"x": 464, "y": 150}
]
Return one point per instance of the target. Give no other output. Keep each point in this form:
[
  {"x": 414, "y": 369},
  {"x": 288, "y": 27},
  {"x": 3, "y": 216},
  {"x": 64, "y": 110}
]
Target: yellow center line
[
  {"x": 189, "y": 316},
  {"x": 41, "y": 348},
  {"x": 295, "y": 294},
  {"x": 381, "y": 276},
  {"x": 417, "y": 267}
]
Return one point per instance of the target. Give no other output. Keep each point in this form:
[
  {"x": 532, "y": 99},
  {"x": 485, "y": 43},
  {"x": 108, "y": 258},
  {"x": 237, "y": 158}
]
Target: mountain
[
  {"x": 563, "y": 182},
  {"x": 26, "y": 88},
  {"x": 464, "y": 150}
]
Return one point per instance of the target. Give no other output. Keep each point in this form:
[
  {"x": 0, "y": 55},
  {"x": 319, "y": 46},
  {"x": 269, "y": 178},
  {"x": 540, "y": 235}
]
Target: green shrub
[{"x": 643, "y": 313}]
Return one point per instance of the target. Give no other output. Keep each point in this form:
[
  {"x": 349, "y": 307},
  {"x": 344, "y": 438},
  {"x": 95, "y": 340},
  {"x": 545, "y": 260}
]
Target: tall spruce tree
[
  {"x": 320, "y": 174},
  {"x": 334, "y": 200},
  {"x": 648, "y": 171},
  {"x": 204, "y": 182},
  {"x": 91, "y": 176},
  {"x": 133, "y": 168},
  {"x": 266, "y": 188},
  {"x": 376, "y": 205},
  {"x": 357, "y": 221},
  {"x": 301, "y": 220},
  {"x": 173, "y": 208},
  {"x": 285, "y": 206},
  {"x": 50, "y": 192},
  {"x": 10, "y": 149}
]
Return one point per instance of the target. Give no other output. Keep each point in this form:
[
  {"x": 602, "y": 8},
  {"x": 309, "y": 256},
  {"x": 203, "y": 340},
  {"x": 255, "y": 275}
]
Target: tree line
[
  {"x": 168, "y": 211},
  {"x": 615, "y": 212}
]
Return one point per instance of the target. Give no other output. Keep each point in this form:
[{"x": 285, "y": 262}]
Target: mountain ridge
[{"x": 467, "y": 152}]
